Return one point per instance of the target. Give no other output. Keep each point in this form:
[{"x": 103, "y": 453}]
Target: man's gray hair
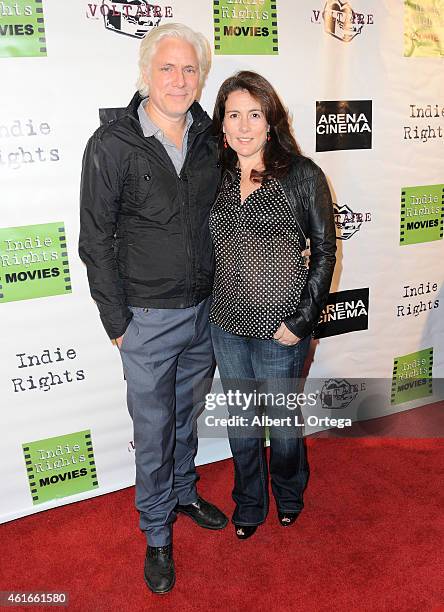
[{"x": 149, "y": 44}]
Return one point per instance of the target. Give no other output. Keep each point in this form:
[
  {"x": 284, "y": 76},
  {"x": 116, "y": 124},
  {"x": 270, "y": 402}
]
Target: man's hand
[
  {"x": 285, "y": 336},
  {"x": 118, "y": 341}
]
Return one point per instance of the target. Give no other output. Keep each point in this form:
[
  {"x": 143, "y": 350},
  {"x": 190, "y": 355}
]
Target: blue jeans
[{"x": 250, "y": 365}]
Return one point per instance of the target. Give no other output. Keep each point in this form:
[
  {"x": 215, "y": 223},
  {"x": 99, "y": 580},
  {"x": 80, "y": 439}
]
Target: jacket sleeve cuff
[
  {"x": 298, "y": 326},
  {"x": 116, "y": 322}
]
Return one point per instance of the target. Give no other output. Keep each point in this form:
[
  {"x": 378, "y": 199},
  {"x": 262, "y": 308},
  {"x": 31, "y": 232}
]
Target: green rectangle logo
[
  {"x": 422, "y": 214},
  {"x": 22, "y": 29},
  {"x": 33, "y": 262},
  {"x": 61, "y": 466},
  {"x": 412, "y": 376},
  {"x": 424, "y": 28},
  {"x": 241, "y": 29}
]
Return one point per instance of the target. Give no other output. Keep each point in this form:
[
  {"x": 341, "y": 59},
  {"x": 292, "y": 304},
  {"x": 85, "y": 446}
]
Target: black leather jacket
[
  {"x": 144, "y": 233},
  {"x": 307, "y": 191}
]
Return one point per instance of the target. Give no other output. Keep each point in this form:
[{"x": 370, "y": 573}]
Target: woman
[{"x": 265, "y": 300}]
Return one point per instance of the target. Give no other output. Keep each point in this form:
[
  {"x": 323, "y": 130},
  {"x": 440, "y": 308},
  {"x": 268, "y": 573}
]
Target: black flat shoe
[
  {"x": 244, "y": 531},
  {"x": 203, "y": 513},
  {"x": 287, "y": 518}
]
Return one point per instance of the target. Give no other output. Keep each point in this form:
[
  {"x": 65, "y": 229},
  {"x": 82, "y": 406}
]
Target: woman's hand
[{"x": 285, "y": 336}]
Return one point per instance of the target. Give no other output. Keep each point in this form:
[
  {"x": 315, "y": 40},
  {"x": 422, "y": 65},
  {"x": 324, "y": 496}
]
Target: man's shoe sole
[
  {"x": 184, "y": 512},
  {"x": 161, "y": 592}
]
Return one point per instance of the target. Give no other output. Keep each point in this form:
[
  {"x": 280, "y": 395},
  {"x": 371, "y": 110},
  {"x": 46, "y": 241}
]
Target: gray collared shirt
[{"x": 149, "y": 128}]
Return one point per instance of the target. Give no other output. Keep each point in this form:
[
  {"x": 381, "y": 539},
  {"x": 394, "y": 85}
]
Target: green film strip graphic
[
  {"x": 416, "y": 387},
  {"x": 92, "y": 462},
  {"x": 41, "y": 26},
  {"x": 441, "y": 232},
  {"x": 245, "y": 29},
  {"x": 216, "y": 12},
  {"x": 64, "y": 255},
  {"x": 274, "y": 30},
  {"x": 402, "y": 226},
  {"x": 30, "y": 474},
  {"x": 61, "y": 466}
]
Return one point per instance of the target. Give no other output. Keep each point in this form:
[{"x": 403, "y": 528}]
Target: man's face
[{"x": 173, "y": 79}]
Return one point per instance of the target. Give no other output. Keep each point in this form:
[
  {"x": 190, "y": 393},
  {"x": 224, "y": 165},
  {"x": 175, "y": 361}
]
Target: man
[{"x": 149, "y": 179}]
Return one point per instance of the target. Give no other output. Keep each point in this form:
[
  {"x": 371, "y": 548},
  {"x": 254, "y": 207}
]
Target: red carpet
[{"x": 370, "y": 538}]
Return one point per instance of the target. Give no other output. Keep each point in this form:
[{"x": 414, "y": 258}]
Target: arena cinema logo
[
  {"x": 347, "y": 222},
  {"x": 422, "y": 214},
  {"x": 346, "y": 311},
  {"x": 412, "y": 376},
  {"x": 33, "y": 262},
  {"x": 342, "y": 125},
  {"x": 133, "y": 18},
  {"x": 341, "y": 21},
  {"x": 61, "y": 466},
  {"x": 339, "y": 393}
]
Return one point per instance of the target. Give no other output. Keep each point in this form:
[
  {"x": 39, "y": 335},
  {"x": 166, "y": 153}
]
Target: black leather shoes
[
  {"x": 244, "y": 531},
  {"x": 204, "y": 514},
  {"x": 159, "y": 568},
  {"x": 287, "y": 518}
]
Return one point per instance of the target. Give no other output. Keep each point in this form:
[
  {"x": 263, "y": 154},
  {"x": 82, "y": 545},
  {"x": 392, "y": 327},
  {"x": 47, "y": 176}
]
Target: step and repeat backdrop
[{"x": 363, "y": 82}]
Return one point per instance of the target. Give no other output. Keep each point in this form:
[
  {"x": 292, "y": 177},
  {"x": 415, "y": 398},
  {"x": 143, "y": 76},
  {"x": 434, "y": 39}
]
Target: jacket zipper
[{"x": 190, "y": 264}]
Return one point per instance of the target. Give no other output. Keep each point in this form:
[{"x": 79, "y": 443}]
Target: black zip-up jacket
[{"x": 144, "y": 233}]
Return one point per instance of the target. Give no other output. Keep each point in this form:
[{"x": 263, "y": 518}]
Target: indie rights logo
[
  {"x": 412, "y": 376},
  {"x": 418, "y": 299},
  {"x": 60, "y": 466},
  {"x": 22, "y": 29},
  {"x": 427, "y": 125},
  {"x": 33, "y": 262},
  {"x": 22, "y": 146},
  {"x": 423, "y": 28},
  {"x": 422, "y": 214},
  {"x": 31, "y": 379},
  {"x": 245, "y": 27}
]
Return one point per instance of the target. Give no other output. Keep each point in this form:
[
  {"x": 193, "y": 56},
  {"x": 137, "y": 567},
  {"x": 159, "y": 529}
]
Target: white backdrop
[{"x": 50, "y": 106}]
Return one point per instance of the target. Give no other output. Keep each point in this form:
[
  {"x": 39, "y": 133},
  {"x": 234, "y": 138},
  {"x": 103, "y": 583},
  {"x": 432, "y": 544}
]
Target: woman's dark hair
[{"x": 279, "y": 151}]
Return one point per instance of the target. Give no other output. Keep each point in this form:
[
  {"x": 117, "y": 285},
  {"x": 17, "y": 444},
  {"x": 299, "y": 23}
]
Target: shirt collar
[{"x": 149, "y": 128}]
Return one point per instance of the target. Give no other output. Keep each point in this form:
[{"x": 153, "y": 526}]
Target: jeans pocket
[{"x": 287, "y": 346}]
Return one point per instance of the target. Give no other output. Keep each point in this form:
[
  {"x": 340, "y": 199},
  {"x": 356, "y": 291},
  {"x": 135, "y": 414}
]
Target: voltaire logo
[
  {"x": 133, "y": 18},
  {"x": 341, "y": 21}
]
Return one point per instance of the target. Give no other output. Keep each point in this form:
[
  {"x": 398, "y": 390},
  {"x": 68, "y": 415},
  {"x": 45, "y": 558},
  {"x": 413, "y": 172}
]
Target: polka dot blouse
[{"x": 260, "y": 272}]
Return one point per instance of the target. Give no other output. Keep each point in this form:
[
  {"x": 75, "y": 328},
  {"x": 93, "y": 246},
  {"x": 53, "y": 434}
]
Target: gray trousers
[{"x": 167, "y": 359}]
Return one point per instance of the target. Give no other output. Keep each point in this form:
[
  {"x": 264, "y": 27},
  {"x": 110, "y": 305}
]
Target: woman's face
[{"x": 245, "y": 125}]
